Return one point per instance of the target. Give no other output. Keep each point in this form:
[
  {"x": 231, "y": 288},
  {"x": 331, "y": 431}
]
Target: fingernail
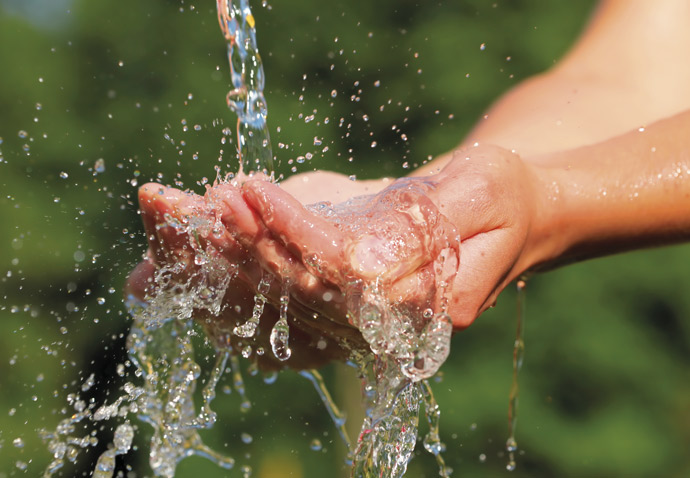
[{"x": 255, "y": 194}]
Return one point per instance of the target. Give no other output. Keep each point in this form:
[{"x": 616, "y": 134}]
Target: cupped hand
[
  {"x": 393, "y": 246},
  {"x": 191, "y": 248},
  {"x": 404, "y": 241},
  {"x": 406, "y": 237}
]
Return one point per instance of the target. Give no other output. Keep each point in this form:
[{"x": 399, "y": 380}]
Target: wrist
[{"x": 550, "y": 234}]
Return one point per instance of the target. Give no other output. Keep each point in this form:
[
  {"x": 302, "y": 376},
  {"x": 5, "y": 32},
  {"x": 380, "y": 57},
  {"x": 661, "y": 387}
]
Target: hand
[
  {"x": 396, "y": 239},
  {"x": 485, "y": 195},
  {"x": 189, "y": 247},
  {"x": 496, "y": 201}
]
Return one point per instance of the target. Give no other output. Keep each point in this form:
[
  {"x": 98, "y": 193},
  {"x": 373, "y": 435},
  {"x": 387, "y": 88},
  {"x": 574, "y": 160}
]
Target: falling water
[
  {"x": 518, "y": 352},
  {"x": 246, "y": 99},
  {"x": 395, "y": 387},
  {"x": 280, "y": 334}
]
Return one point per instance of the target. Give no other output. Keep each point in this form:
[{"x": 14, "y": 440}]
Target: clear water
[
  {"x": 518, "y": 354},
  {"x": 161, "y": 348},
  {"x": 405, "y": 348},
  {"x": 246, "y": 99}
]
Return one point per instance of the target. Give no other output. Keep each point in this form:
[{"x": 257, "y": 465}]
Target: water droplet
[
  {"x": 18, "y": 443},
  {"x": 124, "y": 434},
  {"x": 280, "y": 334},
  {"x": 482, "y": 47},
  {"x": 279, "y": 340},
  {"x": 270, "y": 377},
  {"x": 22, "y": 134},
  {"x": 316, "y": 444},
  {"x": 88, "y": 383},
  {"x": 99, "y": 166},
  {"x": 246, "y": 330},
  {"x": 64, "y": 175},
  {"x": 246, "y": 438}
]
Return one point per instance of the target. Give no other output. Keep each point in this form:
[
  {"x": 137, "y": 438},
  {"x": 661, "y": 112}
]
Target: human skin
[
  {"x": 514, "y": 217},
  {"x": 520, "y": 216},
  {"x": 313, "y": 342},
  {"x": 583, "y": 134},
  {"x": 587, "y": 159}
]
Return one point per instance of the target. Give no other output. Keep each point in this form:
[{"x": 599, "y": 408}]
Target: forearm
[
  {"x": 628, "y": 69},
  {"x": 629, "y": 192}
]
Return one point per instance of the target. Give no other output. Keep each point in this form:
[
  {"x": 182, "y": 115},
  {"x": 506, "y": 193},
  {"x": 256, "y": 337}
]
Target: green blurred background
[{"x": 606, "y": 378}]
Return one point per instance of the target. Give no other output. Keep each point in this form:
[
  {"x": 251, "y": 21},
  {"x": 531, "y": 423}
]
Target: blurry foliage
[{"x": 606, "y": 377}]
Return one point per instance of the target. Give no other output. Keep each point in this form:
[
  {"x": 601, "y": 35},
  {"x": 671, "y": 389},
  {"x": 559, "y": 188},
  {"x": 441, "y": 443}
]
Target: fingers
[
  {"x": 181, "y": 224},
  {"x": 485, "y": 267},
  {"x": 262, "y": 252},
  {"x": 313, "y": 239},
  {"x": 401, "y": 240},
  {"x": 165, "y": 212},
  {"x": 140, "y": 279}
]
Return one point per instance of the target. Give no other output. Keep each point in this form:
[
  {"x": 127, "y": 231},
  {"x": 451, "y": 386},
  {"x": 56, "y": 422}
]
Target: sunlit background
[{"x": 93, "y": 97}]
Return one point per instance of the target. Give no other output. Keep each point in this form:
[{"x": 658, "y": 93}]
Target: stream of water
[
  {"x": 518, "y": 354},
  {"x": 246, "y": 99}
]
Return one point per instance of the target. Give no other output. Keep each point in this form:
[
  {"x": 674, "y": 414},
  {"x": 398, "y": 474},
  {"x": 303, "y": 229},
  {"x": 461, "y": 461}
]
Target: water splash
[
  {"x": 395, "y": 384},
  {"x": 432, "y": 441},
  {"x": 406, "y": 345},
  {"x": 160, "y": 346},
  {"x": 248, "y": 329},
  {"x": 122, "y": 442},
  {"x": 406, "y": 348}
]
